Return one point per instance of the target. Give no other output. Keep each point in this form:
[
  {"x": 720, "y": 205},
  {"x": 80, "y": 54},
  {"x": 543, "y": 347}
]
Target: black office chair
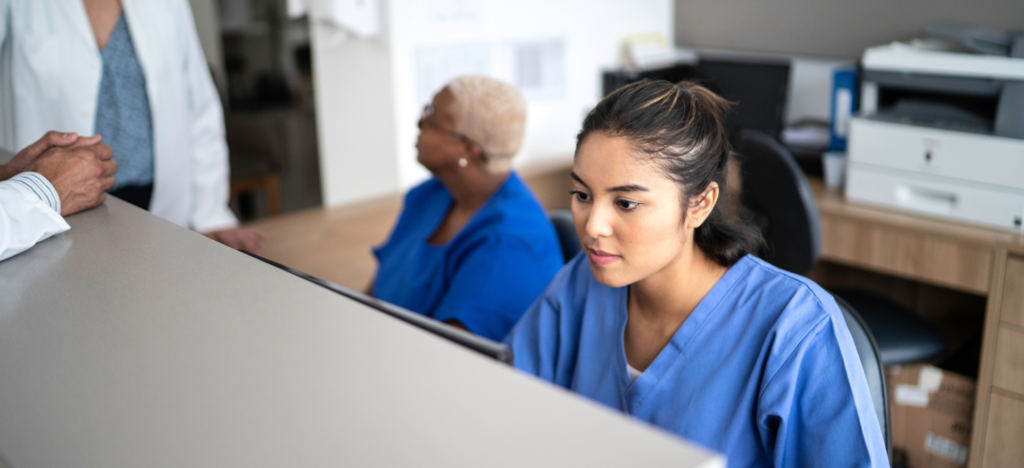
[
  {"x": 776, "y": 194},
  {"x": 566, "y": 230},
  {"x": 871, "y": 361}
]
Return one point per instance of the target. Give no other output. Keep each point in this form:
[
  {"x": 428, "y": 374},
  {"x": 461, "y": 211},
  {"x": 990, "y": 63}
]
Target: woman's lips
[{"x": 601, "y": 258}]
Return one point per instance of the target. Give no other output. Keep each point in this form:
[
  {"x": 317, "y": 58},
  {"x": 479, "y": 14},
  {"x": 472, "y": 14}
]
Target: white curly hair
[{"x": 493, "y": 114}]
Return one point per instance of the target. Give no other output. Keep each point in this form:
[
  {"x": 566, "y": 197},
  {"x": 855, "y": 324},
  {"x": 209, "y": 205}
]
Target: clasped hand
[{"x": 80, "y": 169}]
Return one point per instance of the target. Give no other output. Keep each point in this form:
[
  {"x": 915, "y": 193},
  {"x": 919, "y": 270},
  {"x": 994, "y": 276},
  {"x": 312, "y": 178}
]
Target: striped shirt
[
  {"x": 40, "y": 187},
  {"x": 29, "y": 213}
]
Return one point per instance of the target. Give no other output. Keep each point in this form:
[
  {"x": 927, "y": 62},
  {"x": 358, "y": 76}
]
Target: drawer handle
[{"x": 936, "y": 201}]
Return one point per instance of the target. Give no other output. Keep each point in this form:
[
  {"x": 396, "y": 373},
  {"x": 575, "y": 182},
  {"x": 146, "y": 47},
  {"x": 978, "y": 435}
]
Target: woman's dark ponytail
[
  {"x": 727, "y": 240},
  {"x": 681, "y": 127}
]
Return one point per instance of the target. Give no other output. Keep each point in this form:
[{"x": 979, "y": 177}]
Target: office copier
[{"x": 941, "y": 126}]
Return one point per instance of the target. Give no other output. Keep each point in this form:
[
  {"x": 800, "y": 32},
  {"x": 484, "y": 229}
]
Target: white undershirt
[{"x": 633, "y": 373}]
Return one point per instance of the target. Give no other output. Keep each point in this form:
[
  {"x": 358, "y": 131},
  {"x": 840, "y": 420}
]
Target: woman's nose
[{"x": 598, "y": 224}]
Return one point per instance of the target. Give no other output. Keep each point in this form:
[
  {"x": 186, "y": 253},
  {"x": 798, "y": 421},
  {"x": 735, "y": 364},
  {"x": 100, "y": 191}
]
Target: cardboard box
[{"x": 931, "y": 411}]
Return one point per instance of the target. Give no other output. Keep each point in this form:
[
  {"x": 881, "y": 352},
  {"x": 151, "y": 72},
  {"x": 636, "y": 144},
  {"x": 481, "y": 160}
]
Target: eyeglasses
[{"x": 426, "y": 120}]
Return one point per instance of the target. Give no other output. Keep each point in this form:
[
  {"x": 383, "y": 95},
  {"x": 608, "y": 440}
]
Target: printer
[{"x": 940, "y": 129}]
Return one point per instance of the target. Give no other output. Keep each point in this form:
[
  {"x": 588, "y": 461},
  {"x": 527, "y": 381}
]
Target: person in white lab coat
[
  {"x": 57, "y": 176},
  {"x": 132, "y": 71}
]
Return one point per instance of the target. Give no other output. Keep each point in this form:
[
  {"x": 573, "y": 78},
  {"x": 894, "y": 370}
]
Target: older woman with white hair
[{"x": 472, "y": 246}]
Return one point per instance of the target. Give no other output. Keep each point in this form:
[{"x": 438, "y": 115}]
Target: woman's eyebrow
[
  {"x": 628, "y": 188},
  {"x": 620, "y": 188},
  {"x": 577, "y": 179}
]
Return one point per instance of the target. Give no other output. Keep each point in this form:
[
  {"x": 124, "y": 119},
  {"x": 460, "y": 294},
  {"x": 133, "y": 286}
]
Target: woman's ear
[
  {"x": 701, "y": 209},
  {"x": 473, "y": 151}
]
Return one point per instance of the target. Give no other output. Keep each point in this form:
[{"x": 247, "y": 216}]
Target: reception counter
[{"x": 129, "y": 341}]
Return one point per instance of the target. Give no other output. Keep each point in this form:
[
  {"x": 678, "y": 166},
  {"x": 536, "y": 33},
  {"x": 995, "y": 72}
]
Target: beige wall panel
[{"x": 824, "y": 28}]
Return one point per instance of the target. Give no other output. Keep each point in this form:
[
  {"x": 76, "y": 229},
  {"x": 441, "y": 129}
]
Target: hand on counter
[
  {"x": 239, "y": 238},
  {"x": 81, "y": 173},
  {"x": 32, "y": 152},
  {"x": 456, "y": 324}
]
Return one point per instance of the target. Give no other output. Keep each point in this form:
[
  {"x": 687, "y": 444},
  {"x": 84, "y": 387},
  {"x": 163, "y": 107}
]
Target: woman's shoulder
[
  {"x": 515, "y": 199},
  {"x": 789, "y": 305},
  {"x": 515, "y": 215},
  {"x": 792, "y": 292},
  {"x": 794, "y": 308},
  {"x": 520, "y": 207}
]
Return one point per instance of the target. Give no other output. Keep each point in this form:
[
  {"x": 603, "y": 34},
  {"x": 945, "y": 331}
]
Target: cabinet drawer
[
  {"x": 1004, "y": 432},
  {"x": 1009, "y": 369},
  {"x": 1013, "y": 292}
]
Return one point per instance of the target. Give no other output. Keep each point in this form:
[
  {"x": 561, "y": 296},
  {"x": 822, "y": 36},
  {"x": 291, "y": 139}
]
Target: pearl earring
[{"x": 463, "y": 162}]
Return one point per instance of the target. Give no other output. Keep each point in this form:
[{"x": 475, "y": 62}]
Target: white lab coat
[{"x": 50, "y": 69}]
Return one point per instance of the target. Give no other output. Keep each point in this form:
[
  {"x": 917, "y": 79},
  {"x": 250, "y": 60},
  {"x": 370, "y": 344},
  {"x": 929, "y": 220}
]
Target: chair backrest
[
  {"x": 871, "y": 361},
  {"x": 562, "y": 221},
  {"x": 776, "y": 194}
]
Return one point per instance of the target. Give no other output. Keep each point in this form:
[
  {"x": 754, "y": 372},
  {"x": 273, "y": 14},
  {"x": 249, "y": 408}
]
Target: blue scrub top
[
  {"x": 487, "y": 275},
  {"x": 764, "y": 370}
]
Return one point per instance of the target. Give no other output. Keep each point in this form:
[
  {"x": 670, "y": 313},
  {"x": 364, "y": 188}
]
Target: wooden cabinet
[
  {"x": 1004, "y": 446},
  {"x": 963, "y": 257},
  {"x": 895, "y": 250},
  {"x": 1009, "y": 366},
  {"x": 1013, "y": 292},
  {"x": 1004, "y": 428}
]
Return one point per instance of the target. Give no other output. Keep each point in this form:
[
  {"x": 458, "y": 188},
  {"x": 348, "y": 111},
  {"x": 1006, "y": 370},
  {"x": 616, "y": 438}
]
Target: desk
[
  {"x": 972, "y": 259},
  {"x": 129, "y": 341}
]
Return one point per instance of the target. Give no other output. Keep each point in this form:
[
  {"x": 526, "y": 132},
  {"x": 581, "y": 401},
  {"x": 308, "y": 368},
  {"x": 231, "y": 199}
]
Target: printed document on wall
[
  {"x": 436, "y": 66},
  {"x": 536, "y": 67}
]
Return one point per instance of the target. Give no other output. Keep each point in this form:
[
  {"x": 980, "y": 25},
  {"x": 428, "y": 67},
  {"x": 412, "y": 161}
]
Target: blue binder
[{"x": 844, "y": 104}]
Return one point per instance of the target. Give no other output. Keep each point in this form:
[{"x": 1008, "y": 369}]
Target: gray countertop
[{"x": 129, "y": 341}]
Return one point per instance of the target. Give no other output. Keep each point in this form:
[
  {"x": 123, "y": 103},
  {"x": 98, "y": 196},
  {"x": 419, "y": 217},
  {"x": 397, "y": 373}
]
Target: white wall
[
  {"x": 355, "y": 119},
  {"x": 355, "y": 161},
  {"x": 207, "y": 19},
  {"x": 592, "y": 30}
]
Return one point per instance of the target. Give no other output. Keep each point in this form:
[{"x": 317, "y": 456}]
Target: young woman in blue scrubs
[
  {"x": 472, "y": 247},
  {"x": 667, "y": 317}
]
